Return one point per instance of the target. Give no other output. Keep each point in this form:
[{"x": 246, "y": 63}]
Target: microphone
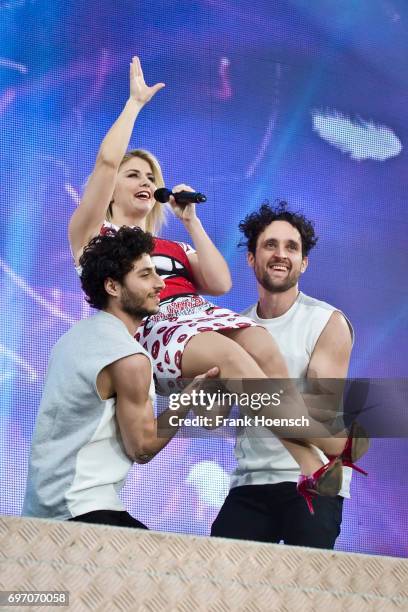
[{"x": 182, "y": 197}]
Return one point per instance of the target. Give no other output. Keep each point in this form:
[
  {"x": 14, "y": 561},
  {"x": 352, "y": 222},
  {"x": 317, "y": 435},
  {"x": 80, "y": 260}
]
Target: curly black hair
[
  {"x": 111, "y": 255},
  {"x": 255, "y": 223}
]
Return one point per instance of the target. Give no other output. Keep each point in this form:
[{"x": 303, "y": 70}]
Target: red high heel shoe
[
  {"x": 327, "y": 480},
  {"x": 357, "y": 445}
]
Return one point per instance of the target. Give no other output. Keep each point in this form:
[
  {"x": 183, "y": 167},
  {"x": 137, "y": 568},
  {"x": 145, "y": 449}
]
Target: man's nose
[
  {"x": 160, "y": 284},
  {"x": 280, "y": 251}
]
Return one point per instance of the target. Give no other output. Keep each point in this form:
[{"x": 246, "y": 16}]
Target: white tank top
[{"x": 261, "y": 457}]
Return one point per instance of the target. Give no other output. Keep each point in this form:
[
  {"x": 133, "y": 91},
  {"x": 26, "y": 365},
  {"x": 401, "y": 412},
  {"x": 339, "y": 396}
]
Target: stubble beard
[
  {"x": 271, "y": 286},
  {"x": 134, "y": 306}
]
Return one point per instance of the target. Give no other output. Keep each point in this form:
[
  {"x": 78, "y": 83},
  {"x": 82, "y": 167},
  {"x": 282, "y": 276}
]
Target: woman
[{"x": 189, "y": 335}]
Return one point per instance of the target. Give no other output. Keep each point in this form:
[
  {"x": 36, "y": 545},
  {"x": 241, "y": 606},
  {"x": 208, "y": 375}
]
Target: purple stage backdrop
[{"x": 288, "y": 99}]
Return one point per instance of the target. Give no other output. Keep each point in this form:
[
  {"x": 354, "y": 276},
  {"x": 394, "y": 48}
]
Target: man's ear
[
  {"x": 111, "y": 287},
  {"x": 305, "y": 263},
  {"x": 250, "y": 259}
]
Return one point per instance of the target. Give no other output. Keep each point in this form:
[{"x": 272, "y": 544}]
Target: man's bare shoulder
[
  {"x": 338, "y": 326},
  {"x": 138, "y": 362}
]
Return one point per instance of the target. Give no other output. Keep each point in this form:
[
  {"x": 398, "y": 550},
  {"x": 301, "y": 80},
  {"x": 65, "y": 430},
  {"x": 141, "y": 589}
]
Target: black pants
[
  {"x": 109, "y": 517},
  {"x": 275, "y": 512}
]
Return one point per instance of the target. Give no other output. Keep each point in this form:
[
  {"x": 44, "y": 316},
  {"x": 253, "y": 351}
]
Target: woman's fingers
[
  {"x": 138, "y": 66},
  {"x": 138, "y": 87},
  {"x": 157, "y": 87},
  {"x": 182, "y": 187}
]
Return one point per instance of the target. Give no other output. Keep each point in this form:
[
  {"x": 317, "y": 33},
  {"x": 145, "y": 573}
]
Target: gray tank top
[{"x": 78, "y": 463}]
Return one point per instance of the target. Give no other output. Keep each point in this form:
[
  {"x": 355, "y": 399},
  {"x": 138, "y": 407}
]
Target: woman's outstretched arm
[{"x": 90, "y": 214}]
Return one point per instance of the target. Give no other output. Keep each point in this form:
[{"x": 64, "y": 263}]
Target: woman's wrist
[
  {"x": 134, "y": 105},
  {"x": 192, "y": 224}
]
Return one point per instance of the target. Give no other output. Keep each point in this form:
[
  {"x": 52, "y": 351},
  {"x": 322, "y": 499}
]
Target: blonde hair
[{"x": 157, "y": 216}]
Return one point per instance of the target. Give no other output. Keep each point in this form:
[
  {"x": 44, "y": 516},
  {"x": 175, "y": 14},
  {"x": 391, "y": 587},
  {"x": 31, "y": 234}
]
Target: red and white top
[{"x": 183, "y": 313}]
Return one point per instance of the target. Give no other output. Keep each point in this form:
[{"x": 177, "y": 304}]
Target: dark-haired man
[
  {"x": 96, "y": 416},
  {"x": 316, "y": 340}
]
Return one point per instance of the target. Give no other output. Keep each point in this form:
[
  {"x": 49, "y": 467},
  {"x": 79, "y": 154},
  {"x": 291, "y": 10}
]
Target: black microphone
[{"x": 182, "y": 197}]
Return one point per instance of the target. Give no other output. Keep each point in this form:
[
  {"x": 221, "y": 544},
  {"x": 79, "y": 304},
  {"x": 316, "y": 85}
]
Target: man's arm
[
  {"x": 331, "y": 356},
  {"x": 330, "y": 360},
  {"x": 131, "y": 378}
]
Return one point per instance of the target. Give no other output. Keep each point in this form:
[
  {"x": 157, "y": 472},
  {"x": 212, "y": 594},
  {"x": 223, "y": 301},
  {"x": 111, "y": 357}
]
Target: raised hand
[
  {"x": 139, "y": 91},
  {"x": 185, "y": 212}
]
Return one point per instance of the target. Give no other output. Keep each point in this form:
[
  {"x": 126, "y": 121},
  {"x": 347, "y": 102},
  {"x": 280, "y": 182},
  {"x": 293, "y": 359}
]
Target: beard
[
  {"x": 276, "y": 286},
  {"x": 134, "y": 305}
]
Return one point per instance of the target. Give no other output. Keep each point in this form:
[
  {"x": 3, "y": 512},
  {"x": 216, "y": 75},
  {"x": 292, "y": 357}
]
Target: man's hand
[{"x": 199, "y": 381}]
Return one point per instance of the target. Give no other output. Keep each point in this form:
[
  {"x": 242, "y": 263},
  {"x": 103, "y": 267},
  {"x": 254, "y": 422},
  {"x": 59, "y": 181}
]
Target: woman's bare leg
[
  {"x": 210, "y": 349},
  {"x": 259, "y": 343}
]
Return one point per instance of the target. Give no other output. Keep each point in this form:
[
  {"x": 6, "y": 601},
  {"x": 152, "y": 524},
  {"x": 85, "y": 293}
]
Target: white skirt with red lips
[{"x": 166, "y": 334}]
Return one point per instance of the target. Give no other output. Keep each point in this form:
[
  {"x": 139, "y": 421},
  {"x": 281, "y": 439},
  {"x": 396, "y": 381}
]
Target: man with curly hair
[
  {"x": 96, "y": 414},
  {"x": 316, "y": 340}
]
